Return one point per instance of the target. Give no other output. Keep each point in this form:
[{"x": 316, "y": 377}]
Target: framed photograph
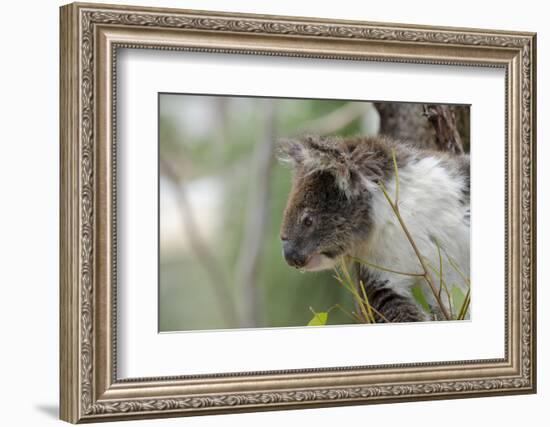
[{"x": 266, "y": 212}]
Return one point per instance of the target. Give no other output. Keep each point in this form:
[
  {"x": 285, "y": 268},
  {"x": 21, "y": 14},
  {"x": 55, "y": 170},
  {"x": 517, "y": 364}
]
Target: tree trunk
[
  {"x": 439, "y": 127},
  {"x": 406, "y": 122},
  {"x": 447, "y": 137}
]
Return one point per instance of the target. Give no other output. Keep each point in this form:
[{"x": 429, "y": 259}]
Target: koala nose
[{"x": 292, "y": 256}]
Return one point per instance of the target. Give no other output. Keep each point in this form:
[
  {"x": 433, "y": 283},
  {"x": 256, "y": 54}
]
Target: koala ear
[
  {"x": 312, "y": 152},
  {"x": 317, "y": 154},
  {"x": 290, "y": 151}
]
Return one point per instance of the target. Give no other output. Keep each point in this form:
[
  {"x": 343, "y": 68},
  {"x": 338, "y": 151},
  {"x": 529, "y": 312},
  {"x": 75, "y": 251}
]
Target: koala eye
[{"x": 307, "y": 221}]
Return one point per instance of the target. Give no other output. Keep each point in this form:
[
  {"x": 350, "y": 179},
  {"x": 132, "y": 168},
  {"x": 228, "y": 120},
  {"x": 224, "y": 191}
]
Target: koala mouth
[
  {"x": 320, "y": 261},
  {"x": 315, "y": 262}
]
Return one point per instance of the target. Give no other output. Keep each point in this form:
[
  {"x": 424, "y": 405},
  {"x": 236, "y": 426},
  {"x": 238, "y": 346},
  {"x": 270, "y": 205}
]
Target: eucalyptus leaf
[
  {"x": 420, "y": 298},
  {"x": 319, "y": 319},
  {"x": 457, "y": 297}
]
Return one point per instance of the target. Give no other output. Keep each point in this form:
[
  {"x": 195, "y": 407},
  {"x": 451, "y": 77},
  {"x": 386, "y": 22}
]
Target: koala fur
[{"x": 336, "y": 209}]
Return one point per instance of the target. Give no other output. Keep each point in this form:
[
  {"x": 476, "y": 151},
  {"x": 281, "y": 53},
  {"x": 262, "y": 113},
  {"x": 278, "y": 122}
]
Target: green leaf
[
  {"x": 457, "y": 297},
  {"x": 319, "y": 319},
  {"x": 420, "y": 298}
]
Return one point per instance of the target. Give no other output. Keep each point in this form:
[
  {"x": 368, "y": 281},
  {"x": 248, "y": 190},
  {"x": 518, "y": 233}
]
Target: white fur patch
[{"x": 429, "y": 203}]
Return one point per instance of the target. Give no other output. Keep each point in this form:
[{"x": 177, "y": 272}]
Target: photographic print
[{"x": 278, "y": 212}]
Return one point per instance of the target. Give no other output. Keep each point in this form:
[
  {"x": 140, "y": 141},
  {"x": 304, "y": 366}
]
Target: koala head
[{"x": 328, "y": 209}]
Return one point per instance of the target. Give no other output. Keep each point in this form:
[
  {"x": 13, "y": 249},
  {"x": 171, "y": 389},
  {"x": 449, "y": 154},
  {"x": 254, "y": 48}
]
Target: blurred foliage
[{"x": 224, "y": 151}]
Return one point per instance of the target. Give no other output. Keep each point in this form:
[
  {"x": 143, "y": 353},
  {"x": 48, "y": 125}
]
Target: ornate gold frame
[{"x": 90, "y": 36}]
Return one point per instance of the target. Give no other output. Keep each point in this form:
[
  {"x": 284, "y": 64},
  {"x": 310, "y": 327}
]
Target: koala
[{"x": 336, "y": 211}]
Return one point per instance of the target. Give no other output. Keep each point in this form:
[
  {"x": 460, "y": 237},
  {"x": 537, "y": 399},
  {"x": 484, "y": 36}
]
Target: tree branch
[
  {"x": 335, "y": 120},
  {"x": 204, "y": 256},
  {"x": 257, "y": 217}
]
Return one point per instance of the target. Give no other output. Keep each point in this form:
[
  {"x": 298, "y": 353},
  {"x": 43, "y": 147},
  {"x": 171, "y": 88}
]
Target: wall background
[{"x": 29, "y": 170}]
